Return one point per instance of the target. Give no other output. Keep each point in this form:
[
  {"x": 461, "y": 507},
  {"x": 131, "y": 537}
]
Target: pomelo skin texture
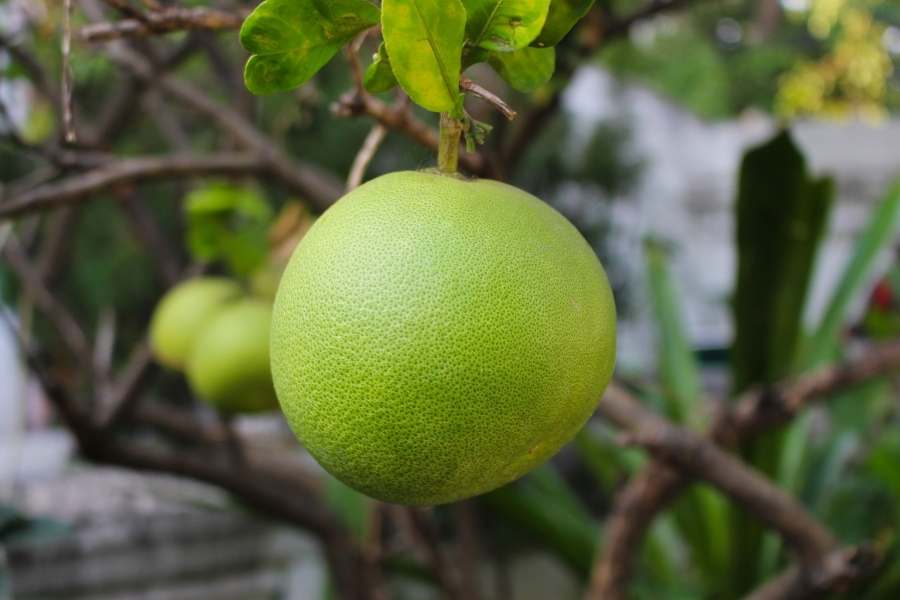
[
  {"x": 435, "y": 338},
  {"x": 183, "y": 312},
  {"x": 229, "y": 364}
]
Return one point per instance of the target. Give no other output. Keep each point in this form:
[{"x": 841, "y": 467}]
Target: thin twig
[
  {"x": 401, "y": 119},
  {"x": 126, "y": 9},
  {"x": 104, "y": 345},
  {"x": 488, "y": 96},
  {"x": 59, "y": 316},
  {"x": 365, "y": 155},
  {"x": 356, "y": 69},
  {"x": 157, "y": 246},
  {"x": 373, "y": 551},
  {"x": 233, "y": 441},
  {"x": 469, "y": 550},
  {"x": 33, "y": 69},
  {"x": 68, "y": 117},
  {"x": 426, "y": 536},
  {"x": 125, "y": 390}
]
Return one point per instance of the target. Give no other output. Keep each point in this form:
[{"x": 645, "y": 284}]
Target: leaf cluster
[{"x": 427, "y": 44}]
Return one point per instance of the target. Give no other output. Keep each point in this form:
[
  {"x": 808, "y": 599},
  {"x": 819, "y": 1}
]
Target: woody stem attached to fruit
[{"x": 448, "y": 147}]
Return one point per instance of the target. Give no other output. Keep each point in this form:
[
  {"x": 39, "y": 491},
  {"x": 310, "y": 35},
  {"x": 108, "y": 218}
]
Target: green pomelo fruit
[
  {"x": 229, "y": 364},
  {"x": 183, "y": 312},
  {"x": 435, "y": 338}
]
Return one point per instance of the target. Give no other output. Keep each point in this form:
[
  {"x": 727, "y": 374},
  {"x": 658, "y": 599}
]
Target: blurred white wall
[{"x": 686, "y": 195}]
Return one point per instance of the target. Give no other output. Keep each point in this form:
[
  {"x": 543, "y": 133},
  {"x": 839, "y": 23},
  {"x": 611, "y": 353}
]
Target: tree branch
[
  {"x": 837, "y": 573},
  {"x": 313, "y": 183},
  {"x": 401, "y": 119},
  {"x": 166, "y": 20},
  {"x": 365, "y": 155},
  {"x": 702, "y": 459},
  {"x": 59, "y": 316},
  {"x": 422, "y": 529},
  {"x": 647, "y": 493},
  {"x": 488, "y": 96},
  {"x": 77, "y": 188}
]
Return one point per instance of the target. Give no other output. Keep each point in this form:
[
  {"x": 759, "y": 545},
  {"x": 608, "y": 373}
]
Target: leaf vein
[{"x": 434, "y": 49}]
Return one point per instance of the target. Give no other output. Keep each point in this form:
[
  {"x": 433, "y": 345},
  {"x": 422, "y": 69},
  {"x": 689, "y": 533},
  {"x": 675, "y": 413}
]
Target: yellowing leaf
[{"x": 424, "y": 39}]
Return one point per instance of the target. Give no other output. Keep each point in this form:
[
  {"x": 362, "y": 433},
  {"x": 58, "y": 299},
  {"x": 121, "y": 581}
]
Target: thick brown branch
[
  {"x": 633, "y": 511},
  {"x": 702, "y": 459},
  {"x": 764, "y": 408},
  {"x": 77, "y": 188},
  {"x": 647, "y": 493},
  {"x": 163, "y": 21}
]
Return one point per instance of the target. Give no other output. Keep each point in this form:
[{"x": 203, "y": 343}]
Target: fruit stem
[{"x": 448, "y": 146}]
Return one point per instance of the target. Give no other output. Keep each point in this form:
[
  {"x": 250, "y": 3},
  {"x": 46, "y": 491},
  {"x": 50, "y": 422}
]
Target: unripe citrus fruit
[
  {"x": 435, "y": 338},
  {"x": 229, "y": 364},
  {"x": 183, "y": 312}
]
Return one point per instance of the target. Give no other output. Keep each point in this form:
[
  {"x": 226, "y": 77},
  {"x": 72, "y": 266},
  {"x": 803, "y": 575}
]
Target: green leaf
[
  {"x": 571, "y": 534},
  {"x": 229, "y": 223},
  {"x": 352, "y": 508},
  {"x": 380, "y": 75},
  {"x": 504, "y": 25},
  {"x": 781, "y": 216},
  {"x": 661, "y": 561},
  {"x": 547, "y": 479},
  {"x": 526, "y": 69},
  {"x": 700, "y": 515},
  {"x": 563, "y": 16},
  {"x": 425, "y": 39},
  {"x": 607, "y": 461},
  {"x": 678, "y": 368},
  {"x": 782, "y": 212},
  {"x": 290, "y": 40},
  {"x": 824, "y": 343},
  {"x": 879, "y": 232}
]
